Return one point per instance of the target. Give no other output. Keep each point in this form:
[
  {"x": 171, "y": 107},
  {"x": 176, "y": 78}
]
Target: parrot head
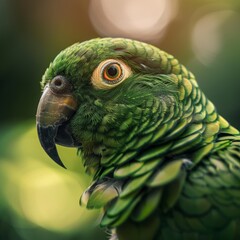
[{"x": 98, "y": 93}]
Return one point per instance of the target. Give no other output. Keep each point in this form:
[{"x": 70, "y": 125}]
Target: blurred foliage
[{"x": 38, "y": 200}]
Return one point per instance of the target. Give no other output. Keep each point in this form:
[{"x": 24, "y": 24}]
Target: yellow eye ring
[{"x": 110, "y": 73}]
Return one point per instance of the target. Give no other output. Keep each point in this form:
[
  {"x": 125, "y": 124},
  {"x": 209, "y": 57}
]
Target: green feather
[
  {"x": 120, "y": 205},
  {"x": 148, "y": 166},
  {"x": 155, "y": 152},
  {"x": 199, "y": 206},
  {"x": 147, "y": 205},
  {"x": 133, "y": 185},
  {"x": 127, "y": 170},
  {"x": 166, "y": 174},
  {"x": 101, "y": 196}
]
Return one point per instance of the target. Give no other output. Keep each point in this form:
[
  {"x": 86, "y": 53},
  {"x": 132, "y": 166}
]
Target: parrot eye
[
  {"x": 110, "y": 73},
  {"x": 59, "y": 84}
]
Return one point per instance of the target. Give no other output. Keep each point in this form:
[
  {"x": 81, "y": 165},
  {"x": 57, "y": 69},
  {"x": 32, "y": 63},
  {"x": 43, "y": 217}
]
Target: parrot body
[{"x": 165, "y": 164}]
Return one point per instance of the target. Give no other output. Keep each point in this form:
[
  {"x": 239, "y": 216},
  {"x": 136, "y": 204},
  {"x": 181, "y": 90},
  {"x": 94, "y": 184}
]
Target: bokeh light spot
[
  {"x": 206, "y": 35},
  {"x": 37, "y": 190},
  {"x": 144, "y": 20}
]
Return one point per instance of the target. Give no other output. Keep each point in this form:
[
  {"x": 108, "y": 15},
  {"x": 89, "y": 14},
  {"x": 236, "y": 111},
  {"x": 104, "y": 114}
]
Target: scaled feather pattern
[{"x": 165, "y": 164}]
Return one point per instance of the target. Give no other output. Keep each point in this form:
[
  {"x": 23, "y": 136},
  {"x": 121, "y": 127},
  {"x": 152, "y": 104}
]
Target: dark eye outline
[{"x": 100, "y": 81}]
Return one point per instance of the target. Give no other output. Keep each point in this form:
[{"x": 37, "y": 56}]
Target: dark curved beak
[{"x": 53, "y": 114}]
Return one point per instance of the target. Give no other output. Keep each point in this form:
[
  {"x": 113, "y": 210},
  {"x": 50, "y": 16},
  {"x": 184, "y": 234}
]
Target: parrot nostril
[{"x": 59, "y": 84}]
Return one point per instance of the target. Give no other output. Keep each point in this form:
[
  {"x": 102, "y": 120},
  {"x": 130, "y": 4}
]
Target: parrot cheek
[{"x": 53, "y": 115}]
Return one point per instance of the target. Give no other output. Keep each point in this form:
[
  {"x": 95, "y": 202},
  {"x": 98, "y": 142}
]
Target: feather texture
[{"x": 165, "y": 164}]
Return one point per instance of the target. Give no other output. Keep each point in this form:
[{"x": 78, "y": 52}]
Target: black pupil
[{"x": 112, "y": 71}]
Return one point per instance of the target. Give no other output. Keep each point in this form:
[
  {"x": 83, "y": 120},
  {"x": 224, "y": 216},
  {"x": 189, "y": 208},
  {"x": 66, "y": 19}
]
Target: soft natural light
[
  {"x": 206, "y": 35},
  {"x": 139, "y": 19}
]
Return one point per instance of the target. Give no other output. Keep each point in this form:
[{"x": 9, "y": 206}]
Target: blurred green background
[{"x": 38, "y": 200}]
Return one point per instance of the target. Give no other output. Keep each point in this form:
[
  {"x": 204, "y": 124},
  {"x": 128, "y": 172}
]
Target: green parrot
[{"x": 164, "y": 163}]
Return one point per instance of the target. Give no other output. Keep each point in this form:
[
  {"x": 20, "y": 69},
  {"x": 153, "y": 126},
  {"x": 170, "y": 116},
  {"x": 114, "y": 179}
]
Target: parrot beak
[{"x": 54, "y": 111}]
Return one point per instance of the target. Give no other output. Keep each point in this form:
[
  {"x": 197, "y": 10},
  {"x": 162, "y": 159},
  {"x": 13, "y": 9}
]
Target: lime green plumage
[{"x": 165, "y": 164}]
